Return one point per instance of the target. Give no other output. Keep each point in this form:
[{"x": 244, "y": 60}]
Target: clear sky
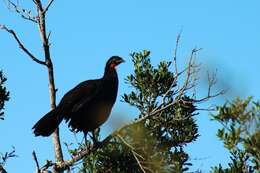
[{"x": 86, "y": 33}]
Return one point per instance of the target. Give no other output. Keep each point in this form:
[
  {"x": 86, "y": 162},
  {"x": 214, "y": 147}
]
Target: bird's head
[{"x": 113, "y": 62}]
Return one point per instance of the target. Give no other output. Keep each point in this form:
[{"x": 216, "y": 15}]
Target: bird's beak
[{"x": 120, "y": 61}]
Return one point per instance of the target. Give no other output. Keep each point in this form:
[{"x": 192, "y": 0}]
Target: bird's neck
[
  {"x": 110, "y": 83},
  {"x": 110, "y": 74}
]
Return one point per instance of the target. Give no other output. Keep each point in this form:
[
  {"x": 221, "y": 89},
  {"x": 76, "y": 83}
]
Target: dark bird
[{"x": 85, "y": 107}]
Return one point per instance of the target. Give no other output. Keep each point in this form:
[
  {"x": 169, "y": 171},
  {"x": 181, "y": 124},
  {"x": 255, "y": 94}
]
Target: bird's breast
[{"x": 99, "y": 114}]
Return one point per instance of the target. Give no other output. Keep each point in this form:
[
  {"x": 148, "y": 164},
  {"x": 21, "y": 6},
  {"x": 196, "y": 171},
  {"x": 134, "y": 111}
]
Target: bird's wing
[{"x": 82, "y": 93}]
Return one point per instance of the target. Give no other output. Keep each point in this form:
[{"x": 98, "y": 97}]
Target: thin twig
[
  {"x": 135, "y": 154},
  {"x": 205, "y": 109},
  {"x": 26, "y": 14},
  {"x": 48, "y": 6},
  {"x": 175, "y": 66},
  {"x": 36, "y": 162},
  {"x": 209, "y": 96},
  {"x": 126, "y": 143},
  {"x": 175, "y": 53},
  {"x": 129, "y": 146},
  {"x": 138, "y": 162},
  {"x": 21, "y": 45},
  {"x": 46, "y": 166},
  {"x": 189, "y": 70}
]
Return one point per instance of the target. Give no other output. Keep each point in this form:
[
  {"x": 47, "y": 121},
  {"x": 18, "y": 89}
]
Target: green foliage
[
  {"x": 4, "y": 94},
  {"x": 149, "y": 83},
  {"x": 115, "y": 157},
  {"x": 240, "y": 135},
  {"x": 172, "y": 128}
]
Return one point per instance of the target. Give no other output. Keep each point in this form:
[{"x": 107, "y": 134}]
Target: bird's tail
[{"x": 48, "y": 123}]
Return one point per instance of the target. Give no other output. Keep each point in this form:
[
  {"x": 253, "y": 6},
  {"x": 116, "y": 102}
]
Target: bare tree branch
[
  {"x": 21, "y": 45},
  {"x": 45, "y": 41},
  {"x": 175, "y": 67},
  {"x": 211, "y": 82}
]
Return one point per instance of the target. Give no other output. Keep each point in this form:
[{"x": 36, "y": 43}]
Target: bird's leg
[
  {"x": 85, "y": 138},
  {"x": 94, "y": 138},
  {"x": 87, "y": 143}
]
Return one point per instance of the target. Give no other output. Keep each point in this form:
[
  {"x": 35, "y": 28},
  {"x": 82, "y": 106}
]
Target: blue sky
[{"x": 86, "y": 33}]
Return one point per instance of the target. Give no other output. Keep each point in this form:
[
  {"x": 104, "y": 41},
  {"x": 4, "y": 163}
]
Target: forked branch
[{"x": 21, "y": 45}]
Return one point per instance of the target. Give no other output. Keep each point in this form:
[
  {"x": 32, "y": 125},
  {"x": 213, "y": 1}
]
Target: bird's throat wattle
[{"x": 113, "y": 66}]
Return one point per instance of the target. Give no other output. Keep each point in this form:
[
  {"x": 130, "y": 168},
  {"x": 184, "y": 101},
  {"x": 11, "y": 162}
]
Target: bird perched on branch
[{"x": 85, "y": 107}]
